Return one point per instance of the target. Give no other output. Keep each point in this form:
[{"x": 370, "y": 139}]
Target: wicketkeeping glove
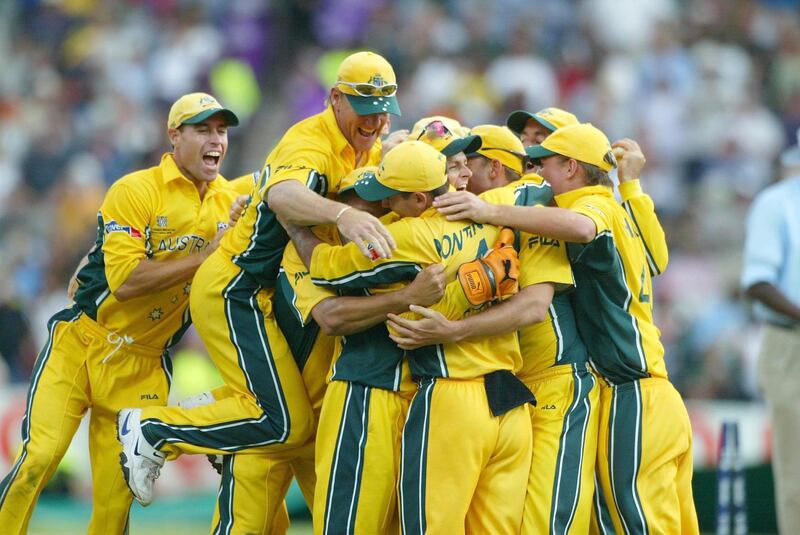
[{"x": 494, "y": 276}]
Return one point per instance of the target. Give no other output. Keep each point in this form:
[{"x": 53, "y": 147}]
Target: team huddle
[{"x": 450, "y": 331}]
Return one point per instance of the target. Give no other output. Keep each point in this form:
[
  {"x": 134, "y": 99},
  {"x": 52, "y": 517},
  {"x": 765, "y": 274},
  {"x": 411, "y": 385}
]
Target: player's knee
[
  {"x": 299, "y": 429},
  {"x": 36, "y": 468}
]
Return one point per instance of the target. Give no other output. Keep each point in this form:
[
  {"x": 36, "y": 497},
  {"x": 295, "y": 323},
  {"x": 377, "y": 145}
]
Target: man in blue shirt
[{"x": 771, "y": 277}]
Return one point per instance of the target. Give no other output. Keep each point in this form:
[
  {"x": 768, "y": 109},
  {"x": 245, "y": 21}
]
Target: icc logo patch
[{"x": 161, "y": 221}]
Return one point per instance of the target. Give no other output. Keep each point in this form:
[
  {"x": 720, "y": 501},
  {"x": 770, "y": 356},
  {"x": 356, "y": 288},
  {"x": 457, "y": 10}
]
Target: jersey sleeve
[
  {"x": 594, "y": 211},
  {"x": 542, "y": 260},
  {"x": 126, "y": 213},
  {"x": 347, "y": 268},
  {"x": 243, "y": 185},
  {"x": 305, "y": 164},
  {"x": 641, "y": 210},
  {"x": 304, "y": 295}
]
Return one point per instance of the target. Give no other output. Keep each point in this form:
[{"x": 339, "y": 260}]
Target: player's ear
[
  {"x": 173, "y": 134},
  {"x": 334, "y": 98}
]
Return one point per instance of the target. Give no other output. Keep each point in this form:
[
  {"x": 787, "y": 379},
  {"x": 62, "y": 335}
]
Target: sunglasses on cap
[
  {"x": 371, "y": 90},
  {"x": 436, "y": 127}
]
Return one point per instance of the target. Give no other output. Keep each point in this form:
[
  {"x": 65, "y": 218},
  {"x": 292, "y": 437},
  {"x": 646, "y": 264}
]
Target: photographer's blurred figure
[{"x": 771, "y": 277}]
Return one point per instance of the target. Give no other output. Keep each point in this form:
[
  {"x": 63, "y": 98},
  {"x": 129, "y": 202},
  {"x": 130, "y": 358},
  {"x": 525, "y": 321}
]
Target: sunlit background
[{"x": 709, "y": 88}]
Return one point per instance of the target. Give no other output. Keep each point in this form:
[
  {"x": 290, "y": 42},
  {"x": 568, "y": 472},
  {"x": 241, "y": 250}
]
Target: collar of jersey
[
  {"x": 170, "y": 172},
  {"x": 565, "y": 200}
]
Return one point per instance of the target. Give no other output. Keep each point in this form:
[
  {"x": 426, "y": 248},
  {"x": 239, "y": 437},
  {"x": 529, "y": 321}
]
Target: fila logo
[
  {"x": 161, "y": 221},
  {"x": 550, "y": 407},
  {"x": 148, "y": 396}
]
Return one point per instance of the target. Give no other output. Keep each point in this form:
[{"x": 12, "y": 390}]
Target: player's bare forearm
[
  {"x": 340, "y": 316},
  {"x": 152, "y": 276},
  {"x": 348, "y": 315},
  {"x": 296, "y": 204},
  {"x": 770, "y": 296},
  {"x": 527, "y": 307},
  {"x": 559, "y": 223},
  {"x": 304, "y": 241}
]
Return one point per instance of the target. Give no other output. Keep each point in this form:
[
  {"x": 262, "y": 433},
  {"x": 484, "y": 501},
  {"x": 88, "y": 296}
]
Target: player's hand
[
  {"x": 427, "y": 287},
  {"x": 457, "y": 205},
  {"x": 630, "y": 160},
  {"x": 366, "y": 231},
  {"x": 212, "y": 246},
  {"x": 237, "y": 208},
  {"x": 393, "y": 140},
  {"x": 432, "y": 328}
]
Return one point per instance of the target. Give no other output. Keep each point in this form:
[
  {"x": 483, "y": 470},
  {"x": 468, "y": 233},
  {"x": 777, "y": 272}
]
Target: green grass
[{"x": 185, "y": 516}]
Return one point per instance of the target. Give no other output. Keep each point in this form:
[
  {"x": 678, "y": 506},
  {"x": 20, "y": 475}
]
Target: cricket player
[
  {"x": 451, "y": 139},
  {"x": 645, "y": 441},
  {"x": 312, "y": 318},
  {"x": 232, "y": 300},
  {"x": 464, "y": 443},
  {"x": 533, "y": 128},
  {"x": 110, "y": 350},
  {"x": 555, "y": 361}
]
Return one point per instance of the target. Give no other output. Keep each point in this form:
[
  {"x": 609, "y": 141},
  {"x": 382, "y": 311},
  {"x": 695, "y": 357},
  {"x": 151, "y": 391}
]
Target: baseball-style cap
[
  {"x": 369, "y": 83},
  {"x": 582, "y": 142},
  {"x": 359, "y": 173},
  {"x": 499, "y": 143},
  {"x": 550, "y": 118},
  {"x": 447, "y": 123},
  {"x": 195, "y": 108},
  {"x": 443, "y": 138},
  {"x": 410, "y": 166}
]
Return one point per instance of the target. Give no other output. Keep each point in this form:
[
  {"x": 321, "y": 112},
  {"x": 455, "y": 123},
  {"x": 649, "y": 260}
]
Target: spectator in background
[{"x": 771, "y": 276}]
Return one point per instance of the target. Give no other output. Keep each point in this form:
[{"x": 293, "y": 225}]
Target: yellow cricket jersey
[
  {"x": 613, "y": 296},
  {"x": 155, "y": 213},
  {"x": 422, "y": 241},
  {"x": 243, "y": 185},
  {"x": 368, "y": 357},
  {"x": 555, "y": 340},
  {"x": 313, "y": 152}
]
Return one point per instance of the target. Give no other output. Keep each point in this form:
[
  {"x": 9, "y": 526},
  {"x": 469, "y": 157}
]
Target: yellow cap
[
  {"x": 195, "y": 108},
  {"x": 359, "y": 173},
  {"x": 582, "y": 142},
  {"x": 427, "y": 123},
  {"x": 500, "y": 143},
  {"x": 367, "y": 68},
  {"x": 410, "y": 166},
  {"x": 551, "y": 118}
]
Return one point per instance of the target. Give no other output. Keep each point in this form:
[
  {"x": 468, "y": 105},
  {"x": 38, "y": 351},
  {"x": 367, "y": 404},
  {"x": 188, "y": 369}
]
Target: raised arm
[{"x": 640, "y": 206}]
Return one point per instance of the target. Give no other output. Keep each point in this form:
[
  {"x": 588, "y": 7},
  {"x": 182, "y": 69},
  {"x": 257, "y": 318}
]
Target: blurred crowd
[{"x": 710, "y": 88}]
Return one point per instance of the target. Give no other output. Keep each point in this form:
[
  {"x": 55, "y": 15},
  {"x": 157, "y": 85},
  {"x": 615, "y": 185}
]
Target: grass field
[{"x": 186, "y": 516}]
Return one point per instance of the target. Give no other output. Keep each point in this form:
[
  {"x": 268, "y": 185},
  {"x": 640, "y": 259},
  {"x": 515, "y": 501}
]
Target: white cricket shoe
[
  {"x": 204, "y": 398},
  {"x": 141, "y": 463}
]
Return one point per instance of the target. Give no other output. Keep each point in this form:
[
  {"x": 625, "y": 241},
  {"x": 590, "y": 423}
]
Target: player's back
[{"x": 613, "y": 297}]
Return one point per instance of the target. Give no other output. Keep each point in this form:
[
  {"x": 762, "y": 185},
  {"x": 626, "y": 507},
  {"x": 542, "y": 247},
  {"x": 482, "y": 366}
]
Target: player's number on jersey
[{"x": 643, "y": 297}]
